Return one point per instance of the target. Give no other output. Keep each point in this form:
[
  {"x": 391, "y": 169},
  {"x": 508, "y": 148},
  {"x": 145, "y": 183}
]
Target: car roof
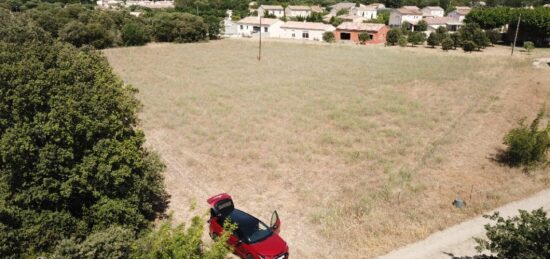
[{"x": 242, "y": 218}]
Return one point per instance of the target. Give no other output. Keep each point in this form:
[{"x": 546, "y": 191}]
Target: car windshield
[{"x": 255, "y": 232}]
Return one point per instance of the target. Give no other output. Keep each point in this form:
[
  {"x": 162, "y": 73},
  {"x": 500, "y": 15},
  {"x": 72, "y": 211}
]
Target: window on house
[
  {"x": 293, "y": 35},
  {"x": 265, "y": 29},
  {"x": 241, "y": 27},
  {"x": 345, "y": 36},
  {"x": 305, "y": 35}
]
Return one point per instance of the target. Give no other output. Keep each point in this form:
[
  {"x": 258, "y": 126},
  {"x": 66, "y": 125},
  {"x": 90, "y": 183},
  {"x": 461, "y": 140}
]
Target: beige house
[
  {"x": 367, "y": 12},
  {"x": 253, "y": 25},
  {"x": 410, "y": 14},
  {"x": 276, "y": 10},
  {"x": 433, "y": 11},
  {"x": 342, "y": 6},
  {"x": 459, "y": 13},
  {"x": 305, "y": 30},
  {"x": 302, "y": 10}
]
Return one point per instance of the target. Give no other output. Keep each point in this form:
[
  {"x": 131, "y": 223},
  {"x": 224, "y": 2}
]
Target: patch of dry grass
[{"x": 360, "y": 149}]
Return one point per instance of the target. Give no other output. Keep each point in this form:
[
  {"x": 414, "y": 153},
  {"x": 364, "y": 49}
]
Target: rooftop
[
  {"x": 437, "y": 20},
  {"x": 433, "y": 8},
  {"x": 351, "y": 26},
  {"x": 462, "y": 10},
  {"x": 271, "y": 7},
  {"x": 255, "y": 20},
  {"x": 408, "y": 10}
]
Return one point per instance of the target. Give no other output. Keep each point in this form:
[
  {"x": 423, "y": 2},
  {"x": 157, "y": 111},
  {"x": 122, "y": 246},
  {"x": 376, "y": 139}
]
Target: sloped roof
[
  {"x": 255, "y": 20},
  {"x": 437, "y": 20},
  {"x": 409, "y": 11},
  {"x": 433, "y": 8},
  {"x": 352, "y": 26},
  {"x": 299, "y": 7},
  {"x": 308, "y": 26},
  {"x": 365, "y": 8},
  {"x": 463, "y": 10},
  {"x": 272, "y": 7},
  {"x": 344, "y": 5}
]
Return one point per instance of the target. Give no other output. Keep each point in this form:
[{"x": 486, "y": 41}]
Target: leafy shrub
[
  {"x": 527, "y": 145},
  {"x": 529, "y": 46},
  {"x": 447, "y": 43},
  {"x": 494, "y": 36},
  {"x": 421, "y": 26},
  {"x": 179, "y": 242},
  {"x": 134, "y": 34},
  {"x": 402, "y": 41},
  {"x": 113, "y": 242},
  {"x": 457, "y": 41},
  {"x": 179, "y": 27},
  {"x": 416, "y": 38},
  {"x": 328, "y": 37},
  {"x": 523, "y": 236},
  {"x": 393, "y": 36},
  {"x": 73, "y": 161},
  {"x": 80, "y": 34},
  {"x": 363, "y": 37},
  {"x": 433, "y": 39},
  {"x": 469, "y": 46},
  {"x": 472, "y": 32}
]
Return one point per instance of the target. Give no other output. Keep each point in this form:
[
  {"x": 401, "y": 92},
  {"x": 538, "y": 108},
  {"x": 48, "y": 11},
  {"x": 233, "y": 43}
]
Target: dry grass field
[{"x": 360, "y": 149}]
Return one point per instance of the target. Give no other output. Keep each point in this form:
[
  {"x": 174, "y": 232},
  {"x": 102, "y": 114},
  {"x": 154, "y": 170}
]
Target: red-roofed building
[{"x": 349, "y": 31}]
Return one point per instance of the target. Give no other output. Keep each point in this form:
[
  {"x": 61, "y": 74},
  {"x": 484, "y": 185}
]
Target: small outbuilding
[
  {"x": 349, "y": 31},
  {"x": 252, "y": 25},
  {"x": 305, "y": 30}
]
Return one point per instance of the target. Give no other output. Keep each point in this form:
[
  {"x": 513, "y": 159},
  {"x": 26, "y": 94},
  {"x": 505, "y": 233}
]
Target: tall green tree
[{"x": 72, "y": 159}]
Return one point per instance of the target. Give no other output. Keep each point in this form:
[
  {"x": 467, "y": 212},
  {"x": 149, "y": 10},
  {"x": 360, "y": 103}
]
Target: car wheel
[{"x": 249, "y": 256}]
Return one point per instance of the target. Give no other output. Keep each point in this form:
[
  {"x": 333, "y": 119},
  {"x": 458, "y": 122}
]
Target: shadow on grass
[{"x": 451, "y": 255}]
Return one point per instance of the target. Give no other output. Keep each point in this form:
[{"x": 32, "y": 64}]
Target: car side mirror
[{"x": 239, "y": 242}]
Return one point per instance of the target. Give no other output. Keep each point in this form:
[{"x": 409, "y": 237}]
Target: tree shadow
[
  {"x": 503, "y": 158},
  {"x": 482, "y": 256}
]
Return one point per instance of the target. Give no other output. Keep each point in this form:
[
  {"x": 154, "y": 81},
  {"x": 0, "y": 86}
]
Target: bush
[
  {"x": 92, "y": 34},
  {"x": 393, "y": 36},
  {"x": 447, "y": 43},
  {"x": 527, "y": 145},
  {"x": 328, "y": 37},
  {"x": 416, "y": 38},
  {"x": 472, "y": 32},
  {"x": 73, "y": 161},
  {"x": 113, "y": 242},
  {"x": 529, "y": 46},
  {"x": 469, "y": 46},
  {"x": 402, "y": 41},
  {"x": 523, "y": 236},
  {"x": 421, "y": 26},
  {"x": 179, "y": 27},
  {"x": 134, "y": 34},
  {"x": 494, "y": 36},
  {"x": 457, "y": 41},
  {"x": 433, "y": 39},
  {"x": 364, "y": 37}
]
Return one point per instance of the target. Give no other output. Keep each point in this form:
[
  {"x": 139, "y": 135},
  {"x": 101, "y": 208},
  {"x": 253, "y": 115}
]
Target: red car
[{"x": 252, "y": 238}]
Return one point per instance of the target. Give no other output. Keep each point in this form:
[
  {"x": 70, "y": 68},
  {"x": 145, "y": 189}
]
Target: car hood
[{"x": 272, "y": 246}]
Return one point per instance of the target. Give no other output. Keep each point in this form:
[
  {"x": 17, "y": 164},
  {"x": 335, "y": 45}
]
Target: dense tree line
[
  {"x": 75, "y": 178},
  {"x": 84, "y": 25},
  {"x": 534, "y": 26}
]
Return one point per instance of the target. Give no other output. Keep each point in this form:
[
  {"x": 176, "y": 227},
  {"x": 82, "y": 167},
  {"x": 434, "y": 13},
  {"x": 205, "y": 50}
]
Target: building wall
[
  {"x": 440, "y": 13},
  {"x": 278, "y": 13},
  {"x": 367, "y": 14},
  {"x": 316, "y": 35},
  {"x": 456, "y": 16},
  {"x": 377, "y": 38},
  {"x": 395, "y": 19},
  {"x": 295, "y": 13},
  {"x": 272, "y": 31}
]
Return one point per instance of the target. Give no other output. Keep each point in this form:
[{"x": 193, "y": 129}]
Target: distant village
[{"x": 356, "y": 19}]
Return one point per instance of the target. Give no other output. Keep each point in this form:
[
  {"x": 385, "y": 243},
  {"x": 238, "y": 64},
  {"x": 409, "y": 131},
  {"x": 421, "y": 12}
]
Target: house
[
  {"x": 410, "y": 14},
  {"x": 252, "y": 25},
  {"x": 305, "y": 30},
  {"x": 342, "y": 6},
  {"x": 352, "y": 18},
  {"x": 377, "y": 6},
  {"x": 433, "y": 11},
  {"x": 367, "y": 12},
  {"x": 434, "y": 23},
  {"x": 459, "y": 13},
  {"x": 230, "y": 27},
  {"x": 350, "y": 31},
  {"x": 302, "y": 10},
  {"x": 276, "y": 10}
]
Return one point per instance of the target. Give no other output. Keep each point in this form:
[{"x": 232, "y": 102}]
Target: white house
[
  {"x": 410, "y": 14},
  {"x": 433, "y": 11},
  {"x": 276, "y": 10},
  {"x": 252, "y": 25},
  {"x": 434, "y": 23},
  {"x": 302, "y": 10},
  {"x": 230, "y": 27},
  {"x": 367, "y": 12},
  {"x": 342, "y": 6},
  {"x": 459, "y": 13},
  {"x": 305, "y": 30}
]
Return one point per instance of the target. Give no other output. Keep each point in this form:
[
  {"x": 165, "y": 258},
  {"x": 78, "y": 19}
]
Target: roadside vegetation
[
  {"x": 524, "y": 236},
  {"x": 75, "y": 178}
]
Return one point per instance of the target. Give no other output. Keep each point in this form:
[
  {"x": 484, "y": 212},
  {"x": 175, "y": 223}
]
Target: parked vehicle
[{"x": 252, "y": 238}]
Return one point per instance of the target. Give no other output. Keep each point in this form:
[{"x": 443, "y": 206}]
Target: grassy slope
[{"x": 351, "y": 144}]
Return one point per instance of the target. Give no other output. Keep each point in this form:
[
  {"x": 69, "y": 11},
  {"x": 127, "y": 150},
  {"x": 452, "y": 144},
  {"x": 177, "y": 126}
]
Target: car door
[
  {"x": 275, "y": 222},
  {"x": 240, "y": 248}
]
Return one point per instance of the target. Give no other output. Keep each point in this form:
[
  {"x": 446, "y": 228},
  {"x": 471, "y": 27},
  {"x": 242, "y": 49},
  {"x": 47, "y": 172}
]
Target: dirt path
[{"x": 457, "y": 241}]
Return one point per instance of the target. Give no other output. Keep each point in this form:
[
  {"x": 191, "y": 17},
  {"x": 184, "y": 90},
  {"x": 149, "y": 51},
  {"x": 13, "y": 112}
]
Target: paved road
[{"x": 457, "y": 241}]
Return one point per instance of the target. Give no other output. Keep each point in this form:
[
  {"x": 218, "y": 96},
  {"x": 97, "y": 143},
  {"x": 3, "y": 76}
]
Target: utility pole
[
  {"x": 260, "y": 49},
  {"x": 516, "y": 36}
]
